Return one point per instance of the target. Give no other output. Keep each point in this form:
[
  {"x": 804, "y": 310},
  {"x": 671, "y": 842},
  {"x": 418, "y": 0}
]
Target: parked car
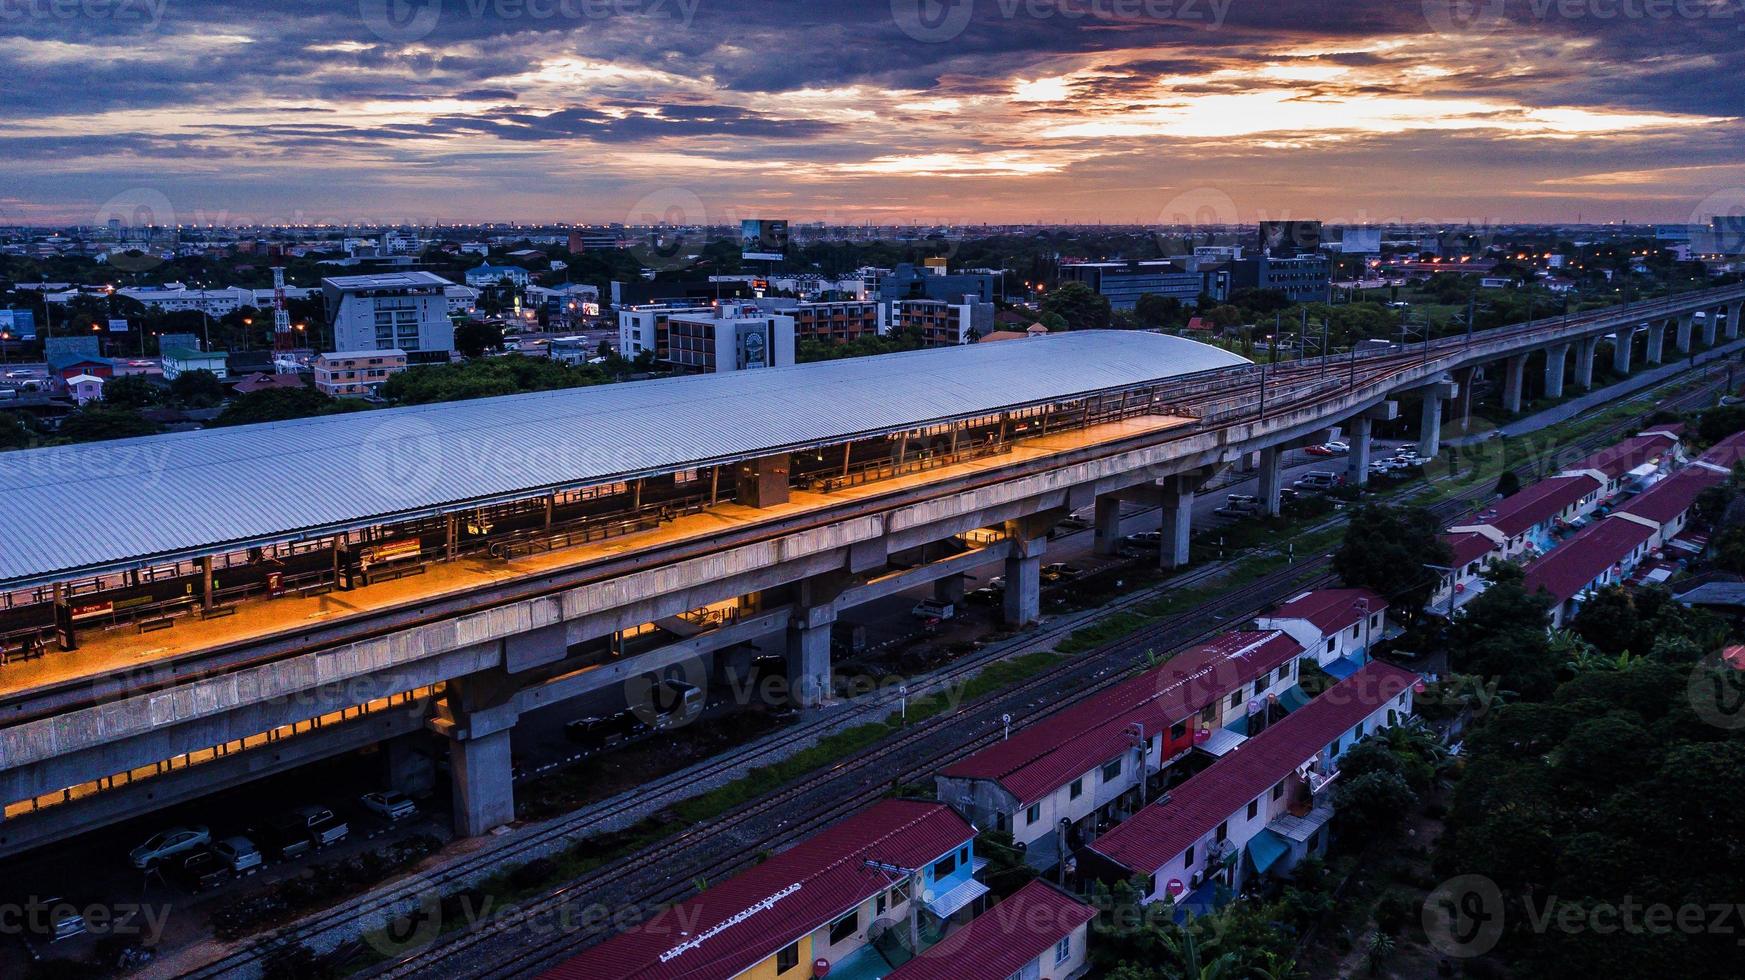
[
  {"x": 168, "y": 844},
  {"x": 1321, "y": 450},
  {"x": 239, "y": 854},
  {"x": 51, "y": 919},
  {"x": 987, "y": 595},
  {"x": 1338, "y": 447},
  {"x": 199, "y": 870},
  {"x": 1316, "y": 480},
  {"x": 599, "y": 732},
  {"x": 1145, "y": 539},
  {"x": 933, "y": 609},
  {"x": 675, "y": 703},
  {"x": 1073, "y": 523},
  {"x": 390, "y": 805},
  {"x": 284, "y": 837},
  {"x": 321, "y": 825},
  {"x": 1057, "y": 571}
]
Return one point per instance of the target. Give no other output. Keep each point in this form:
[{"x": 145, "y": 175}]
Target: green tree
[
  {"x": 132, "y": 391},
  {"x": 14, "y": 433},
  {"x": 1390, "y": 550},
  {"x": 1153, "y": 310},
  {"x": 1502, "y": 633},
  {"x": 279, "y": 404},
  {"x": 473, "y": 337},
  {"x": 197, "y": 389},
  {"x": 96, "y": 422},
  {"x": 1079, "y": 305}
]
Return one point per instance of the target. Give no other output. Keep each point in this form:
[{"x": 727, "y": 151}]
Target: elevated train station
[{"x": 262, "y": 597}]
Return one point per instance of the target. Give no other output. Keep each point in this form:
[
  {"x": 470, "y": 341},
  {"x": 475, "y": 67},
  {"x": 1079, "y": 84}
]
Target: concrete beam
[
  {"x": 482, "y": 778},
  {"x": 1357, "y": 461},
  {"x": 1430, "y": 428},
  {"x": 809, "y": 655},
  {"x": 1555, "y": 357},
  {"x": 1733, "y": 314},
  {"x": 1271, "y": 479},
  {"x": 1623, "y": 346},
  {"x": 1685, "y": 320},
  {"x": 1514, "y": 373},
  {"x": 1108, "y": 526},
  {"x": 1584, "y": 362},
  {"x": 1656, "y": 342},
  {"x": 1022, "y": 600},
  {"x": 1711, "y": 320},
  {"x": 1177, "y": 520}
]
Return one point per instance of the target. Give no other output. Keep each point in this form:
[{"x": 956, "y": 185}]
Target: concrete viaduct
[{"x": 466, "y": 662}]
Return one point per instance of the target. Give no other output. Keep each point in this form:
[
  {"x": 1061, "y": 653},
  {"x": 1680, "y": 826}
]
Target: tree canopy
[{"x": 1388, "y": 549}]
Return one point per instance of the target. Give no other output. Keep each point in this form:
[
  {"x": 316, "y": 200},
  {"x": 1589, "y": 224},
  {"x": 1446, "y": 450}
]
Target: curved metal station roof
[{"x": 180, "y": 493}]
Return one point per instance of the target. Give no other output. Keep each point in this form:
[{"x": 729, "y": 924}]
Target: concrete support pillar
[
  {"x": 1555, "y": 356},
  {"x": 1682, "y": 338},
  {"x": 949, "y": 589},
  {"x": 405, "y": 767},
  {"x": 809, "y": 655},
  {"x": 482, "y": 774},
  {"x": 1621, "y": 348},
  {"x": 1514, "y": 372},
  {"x": 1733, "y": 314},
  {"x": 1108, "y": 526},
  {"x": 1271, "y": 478},
  {"x": 1023, "y": 596},
  {"x": 1584, "y": 362},
  {"x": 1656, "y": 341},
  {"x": 1711, "y": 319},
  {"x": 477, "y": 713},
  {"x": 1177, "y": 521},
  {"x": 1357, "y": 461},
  {"x": 1430, "y": 427}
]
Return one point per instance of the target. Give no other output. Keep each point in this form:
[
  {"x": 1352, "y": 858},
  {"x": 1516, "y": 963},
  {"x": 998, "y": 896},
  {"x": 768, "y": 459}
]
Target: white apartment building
[{"x": 406, "y": 311}]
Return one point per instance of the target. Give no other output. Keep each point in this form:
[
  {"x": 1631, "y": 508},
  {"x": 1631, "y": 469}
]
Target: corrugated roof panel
[{"x": 192, "y": 490}]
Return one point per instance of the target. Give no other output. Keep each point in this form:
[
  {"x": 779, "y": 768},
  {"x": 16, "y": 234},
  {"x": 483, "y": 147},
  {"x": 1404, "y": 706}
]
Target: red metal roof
[
  {"x": 1535, "y": 504},
  {"x": 1728, "y": 452},
  {"x": 1664, "y": 501},
  {"x": 1468, "y": 547},
  {"x": 998, "y": 943},
  {"x": 1568, "y": 569},
  {"x": 1043, "y": 757},
  {"x": 748, "y": 918},
  {"x": 1615, "y": 461},
  {"x": 1155, "y": 835},
  {"x": 1330, "y": 610}
]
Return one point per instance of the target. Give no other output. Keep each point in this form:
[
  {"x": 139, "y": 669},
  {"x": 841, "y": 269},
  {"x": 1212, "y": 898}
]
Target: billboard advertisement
[
  {"x": 21, "y": 324},
  {"x": 117, "y": 326},
  {"x": 763, "y": 240}
]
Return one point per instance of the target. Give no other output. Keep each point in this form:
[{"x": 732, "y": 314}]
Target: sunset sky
[{"x": 871, "y": 110}]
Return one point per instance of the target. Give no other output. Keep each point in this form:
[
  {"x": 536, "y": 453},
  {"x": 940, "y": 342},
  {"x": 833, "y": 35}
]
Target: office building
[
  {"x": 1302, "y": 278},
  {"x": 486, "y": 275},
  {"x": 914, "y": 282},
  {"x": 732, "y": 337},
  {"x": 835, "y": 322},
  {"x": 941, "y": 323},
  {"x": 1122, "y": 283},
  {"x": 404, "y": 311}
]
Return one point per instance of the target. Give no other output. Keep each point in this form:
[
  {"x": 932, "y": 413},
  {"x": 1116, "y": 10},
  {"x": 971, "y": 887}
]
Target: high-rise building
[{"x": 405, "y": 311}]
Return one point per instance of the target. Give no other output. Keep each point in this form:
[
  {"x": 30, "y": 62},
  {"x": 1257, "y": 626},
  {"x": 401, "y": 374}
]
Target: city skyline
[{"x": 1003, "y": 111}]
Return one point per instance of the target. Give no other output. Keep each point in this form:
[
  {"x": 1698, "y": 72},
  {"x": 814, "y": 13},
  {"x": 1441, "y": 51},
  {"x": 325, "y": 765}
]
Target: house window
[
  {"x": 1188, "y": 857},
  {"x": 1033, "y": 814},
  {"x": 963, "y": 854},
  {"x": 1178, "y": 730},
  {"x": 1253, "y": 808},
  {"x": 1223, "y": 831},
  {"x": 943, "y": 867},
  {"x": 879, "y": 904},
  {"x": 1354, "y": 631},
  {"x": 844, "y": 927},
  {"x": 1330, "y": 642},
  {"x": 899, "y": 893},
  {"x": 1284, "y": 673},
  {"x": 1235, "y": 700},
  {"x": 1209, "y": 712},
  {"x": 1078, "y": 788},
  {"x": 1111, "y": 769},
  {"x": 1063, "y": 950},
  {"x": 1278, "y": 789},
  {"x": 788, "y": 957}
]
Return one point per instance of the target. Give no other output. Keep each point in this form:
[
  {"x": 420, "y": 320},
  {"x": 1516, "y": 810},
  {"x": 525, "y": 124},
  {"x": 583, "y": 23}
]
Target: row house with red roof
[
  {"x": 1608, "y": 551},
  {"x": 1259, "y": 809},
  {"x": 1337, "y": 626},
  {"x": 844, "y": 901},
  {"x": 1530, "y": 523},
  {"x": 1040, "y": 932},
  {"x": 1057, "y": 783}
]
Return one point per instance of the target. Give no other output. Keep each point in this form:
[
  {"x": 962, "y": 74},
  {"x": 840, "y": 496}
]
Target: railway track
[{"x": 497, "y": 947}]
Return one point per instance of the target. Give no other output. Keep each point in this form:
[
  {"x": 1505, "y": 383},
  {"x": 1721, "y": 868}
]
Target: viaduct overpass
[{"x": 267, "y": 596}]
